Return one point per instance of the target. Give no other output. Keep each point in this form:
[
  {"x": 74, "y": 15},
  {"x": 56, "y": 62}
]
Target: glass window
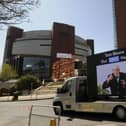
[
  {"x": 81, "y": 93},
  {"x": 39, "y": 66},
  {"x": 66, "y": 87}
]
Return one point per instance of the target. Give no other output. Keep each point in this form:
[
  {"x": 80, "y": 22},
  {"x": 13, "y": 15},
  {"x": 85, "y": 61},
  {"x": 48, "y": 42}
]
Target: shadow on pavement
[{"x": 91, "y": 116}]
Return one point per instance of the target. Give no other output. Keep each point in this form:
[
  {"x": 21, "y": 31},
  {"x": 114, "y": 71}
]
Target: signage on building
[{"x": 64, "y": 55}]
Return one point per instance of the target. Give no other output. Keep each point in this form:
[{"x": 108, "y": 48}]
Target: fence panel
[{"x": 43, "y": 116}]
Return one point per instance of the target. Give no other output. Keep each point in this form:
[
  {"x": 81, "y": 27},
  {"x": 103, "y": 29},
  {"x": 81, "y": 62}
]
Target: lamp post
[
  {"x": 31, "y": 89},
  {"x": 59, "y": 70}
]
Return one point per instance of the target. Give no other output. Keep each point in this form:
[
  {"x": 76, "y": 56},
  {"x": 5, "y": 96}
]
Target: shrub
[
  {"x": 27, "y": 82},
  {"x": 102, "y": 91},
  {"x": 8, "y": 72}
]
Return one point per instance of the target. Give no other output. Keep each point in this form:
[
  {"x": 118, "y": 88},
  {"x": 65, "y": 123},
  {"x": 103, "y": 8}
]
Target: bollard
[{"x": 53, "y": 122}]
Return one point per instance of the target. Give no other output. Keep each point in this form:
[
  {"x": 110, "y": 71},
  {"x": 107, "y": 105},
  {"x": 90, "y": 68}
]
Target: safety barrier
[{"x": 43, "y": 116}]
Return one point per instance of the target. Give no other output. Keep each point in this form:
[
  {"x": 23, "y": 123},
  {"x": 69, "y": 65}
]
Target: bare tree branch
[{"x": 15, "y": 11}]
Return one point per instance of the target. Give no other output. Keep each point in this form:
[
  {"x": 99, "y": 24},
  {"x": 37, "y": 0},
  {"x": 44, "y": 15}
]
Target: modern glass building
[{"x": 48, "y": 54}]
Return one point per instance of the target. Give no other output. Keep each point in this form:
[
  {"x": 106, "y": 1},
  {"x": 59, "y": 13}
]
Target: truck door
[
  {"x": 67, "y": 95},
  {"x": 81, "y": 90}
]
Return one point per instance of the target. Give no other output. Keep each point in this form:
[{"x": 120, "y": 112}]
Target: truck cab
[{"x": 73, "y": 90}]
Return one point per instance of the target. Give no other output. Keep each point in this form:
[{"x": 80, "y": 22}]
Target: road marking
[{"x": 105, "y": 125}]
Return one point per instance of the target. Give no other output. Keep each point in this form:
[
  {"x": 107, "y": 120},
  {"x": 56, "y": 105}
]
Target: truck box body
[
  {"x": 100, "y": 67},
  {"x": 103, "y": 90}
]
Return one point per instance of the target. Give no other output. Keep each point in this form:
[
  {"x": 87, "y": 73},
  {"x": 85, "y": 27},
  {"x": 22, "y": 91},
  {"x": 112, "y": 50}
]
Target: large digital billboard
[{"x": 107, "y": 73}]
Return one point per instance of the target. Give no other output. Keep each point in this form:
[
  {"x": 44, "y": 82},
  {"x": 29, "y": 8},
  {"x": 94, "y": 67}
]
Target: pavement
[
  {"x": 17, "y": 114},
  {"x": 49, "y": 88},
  {"x": 28, "y": 97},
  {"x": 42, "y": 93}
]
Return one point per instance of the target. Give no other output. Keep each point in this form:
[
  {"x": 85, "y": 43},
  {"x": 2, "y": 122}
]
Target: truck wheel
[
  {"x": 56, "y": 111},
  {"x": 120, "y": 112}
]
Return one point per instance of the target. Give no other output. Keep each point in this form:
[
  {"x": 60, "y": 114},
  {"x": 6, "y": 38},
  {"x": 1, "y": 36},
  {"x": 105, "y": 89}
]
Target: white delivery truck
[
  {"x": 102, "y": 91},
  {"x": 72, "y": 96}
]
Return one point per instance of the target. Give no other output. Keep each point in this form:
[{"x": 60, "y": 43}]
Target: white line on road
[{"x": 105, "y": 125}]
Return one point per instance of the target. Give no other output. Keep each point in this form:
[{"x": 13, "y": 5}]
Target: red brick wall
[
  {"x": 120, "y": 13},
  {"x": 62, "y": 42},
  {"x": 63, "y": 68}
]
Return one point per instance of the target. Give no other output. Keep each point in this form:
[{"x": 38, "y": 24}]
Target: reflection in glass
[{"x": 39, "y": 66}]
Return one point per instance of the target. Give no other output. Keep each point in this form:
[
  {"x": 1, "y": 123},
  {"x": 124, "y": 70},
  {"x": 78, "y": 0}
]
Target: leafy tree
[
  {"x": 7, "y": 72},
  {"x": 15, "y": 11},
  {"x": 27, "y": 82}
]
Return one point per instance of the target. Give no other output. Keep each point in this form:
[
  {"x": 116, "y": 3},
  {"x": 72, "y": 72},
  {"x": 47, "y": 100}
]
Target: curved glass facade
[{"x": 39, "y": 66}]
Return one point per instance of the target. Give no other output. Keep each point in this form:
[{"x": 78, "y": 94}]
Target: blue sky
[{"x": 93, "y": 19}]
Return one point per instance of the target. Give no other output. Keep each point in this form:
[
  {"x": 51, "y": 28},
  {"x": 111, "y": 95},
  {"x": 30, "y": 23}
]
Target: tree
[
  {"x": 15, "y": 11},
  {"x": 7, "y": 72},
  {"x": 27, "y": 82}
]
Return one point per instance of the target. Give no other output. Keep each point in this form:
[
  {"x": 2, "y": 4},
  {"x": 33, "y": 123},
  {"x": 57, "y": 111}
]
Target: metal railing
[{"x": 43, "y": 116}]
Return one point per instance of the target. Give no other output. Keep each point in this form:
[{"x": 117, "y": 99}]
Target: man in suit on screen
[{"x": 116, "y": 82}]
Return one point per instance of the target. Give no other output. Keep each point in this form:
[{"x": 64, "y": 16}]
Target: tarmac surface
[{"x": 17, "y": 114}]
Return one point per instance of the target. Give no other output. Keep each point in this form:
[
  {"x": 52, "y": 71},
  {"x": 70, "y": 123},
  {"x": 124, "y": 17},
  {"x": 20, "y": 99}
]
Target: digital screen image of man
[{"x": 116, "y": 81}]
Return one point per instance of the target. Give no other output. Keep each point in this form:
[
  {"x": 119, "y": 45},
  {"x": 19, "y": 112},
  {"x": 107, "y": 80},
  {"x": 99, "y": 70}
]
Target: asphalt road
[{"x": 17, "y": 113}]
